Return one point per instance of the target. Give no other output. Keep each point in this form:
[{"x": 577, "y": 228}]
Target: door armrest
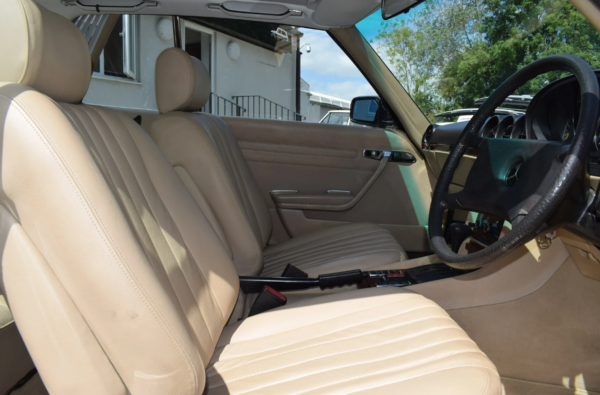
[{"x": 300, "y": 201}]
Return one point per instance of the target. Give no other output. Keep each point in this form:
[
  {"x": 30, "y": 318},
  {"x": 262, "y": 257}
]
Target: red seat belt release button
[
  {"x": 266, "y": 300},
  {"x": 274, "y": 292}
]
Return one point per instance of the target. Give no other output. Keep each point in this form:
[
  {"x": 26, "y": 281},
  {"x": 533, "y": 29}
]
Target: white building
[{"x": 232, "y": 51}]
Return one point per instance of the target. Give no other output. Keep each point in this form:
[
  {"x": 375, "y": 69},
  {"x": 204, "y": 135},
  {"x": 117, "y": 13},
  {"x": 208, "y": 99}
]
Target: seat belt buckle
[
  {"x": 266, "y": 300},
  {"x": 293, "y": 272}
]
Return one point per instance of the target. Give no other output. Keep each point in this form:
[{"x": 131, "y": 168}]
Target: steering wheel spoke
[
  {"x": 509, "y": 177},
  {"x": 474, "y": 141},
  {"x": 532, "y": 184}
]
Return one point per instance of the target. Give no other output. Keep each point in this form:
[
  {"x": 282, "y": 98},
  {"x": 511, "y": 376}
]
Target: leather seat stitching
[
  {"x": 250, "y": 215},
  {"x": 128, "y": 185},
  {"x": 426, "y": 374},
  {"x": 363, "y": 362},
  {"x": 389, "y": 327},
  {"x": 334, "y": 247},
  {"x": 354, "y": 325},
  {"x": 229, "y": 159},
  {"x": 361, "y": 233},
  {"x": 374, "y": 242},
  {"x": 230, "y": 140},
  {"x": 84, "y": 199},
  {"x": 311, "y": 261},
  {"x": 318, "y": 259},
  {"x": 189, "y": 255},
  {"x": 273, "y": 269},
  {"x": 406, "y": 352},
  {"x": 336, "y": 250}
]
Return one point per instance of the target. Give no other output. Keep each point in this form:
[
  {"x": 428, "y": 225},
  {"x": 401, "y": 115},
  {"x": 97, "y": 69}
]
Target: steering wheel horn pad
[{"x": 544, "y": 172}]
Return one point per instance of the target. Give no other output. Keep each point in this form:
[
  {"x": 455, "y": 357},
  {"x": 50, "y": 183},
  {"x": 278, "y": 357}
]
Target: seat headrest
[
  {"x": 182, "y": 82},
  {"x": 43, "y": 50}
]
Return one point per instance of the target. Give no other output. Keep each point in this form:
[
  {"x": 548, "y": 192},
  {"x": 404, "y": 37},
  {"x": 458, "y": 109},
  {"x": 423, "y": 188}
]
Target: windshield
[{"x": 449, "y": 53}]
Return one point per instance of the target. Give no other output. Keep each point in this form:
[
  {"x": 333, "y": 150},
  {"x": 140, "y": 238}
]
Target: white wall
[
  {"x": 257, "y": 71},
  {"x": 117, "y": 92}
]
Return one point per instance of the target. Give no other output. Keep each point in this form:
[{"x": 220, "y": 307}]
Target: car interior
[{"x": 179, "y": 249}]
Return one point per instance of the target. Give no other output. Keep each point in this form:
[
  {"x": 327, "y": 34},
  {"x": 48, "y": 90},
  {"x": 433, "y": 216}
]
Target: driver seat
[{"x": 120, "y": 284}]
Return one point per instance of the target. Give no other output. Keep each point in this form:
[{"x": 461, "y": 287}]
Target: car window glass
[
  {"x": 123, "y": 77},
  {"x": 451, "y": 54},
  {"x": 339, "y": 118},
  {"x": 258, "y": 70}
]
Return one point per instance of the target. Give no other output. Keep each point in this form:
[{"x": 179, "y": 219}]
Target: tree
[
  {"x": 451, "y": 52},
  {"x": 407, "y": 51}
]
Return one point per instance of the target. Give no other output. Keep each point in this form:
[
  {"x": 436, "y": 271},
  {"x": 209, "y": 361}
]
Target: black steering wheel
[{"x": 521, "y": 181}]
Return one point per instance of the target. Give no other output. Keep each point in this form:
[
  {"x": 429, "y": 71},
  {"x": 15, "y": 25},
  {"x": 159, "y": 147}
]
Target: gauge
[
  {"x": 489, "y": 129},
  {"x": 504, "y": 128},
  {"x": 518, "y": 130}
]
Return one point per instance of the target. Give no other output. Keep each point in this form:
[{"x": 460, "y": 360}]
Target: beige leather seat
[
  {"x": 119, "y": 284},
  {"x": 207, "y": 157}
]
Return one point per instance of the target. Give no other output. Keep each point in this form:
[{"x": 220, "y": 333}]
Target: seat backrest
[
  {"x": 116, "y": 279},
  {"x": 208, "y": 158}
]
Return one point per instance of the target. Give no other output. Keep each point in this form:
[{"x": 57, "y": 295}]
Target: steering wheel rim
[{"x": 572, "y": 165}]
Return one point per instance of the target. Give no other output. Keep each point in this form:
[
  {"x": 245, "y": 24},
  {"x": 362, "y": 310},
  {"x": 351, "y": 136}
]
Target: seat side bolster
[{"x": 38, "y": 300}]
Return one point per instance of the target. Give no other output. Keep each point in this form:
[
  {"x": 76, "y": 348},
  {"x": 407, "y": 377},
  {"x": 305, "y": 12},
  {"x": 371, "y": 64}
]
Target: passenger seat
[{"x": 206, "y": 155}]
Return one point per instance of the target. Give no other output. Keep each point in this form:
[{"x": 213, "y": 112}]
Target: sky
[{"x": 328, "y": 70}]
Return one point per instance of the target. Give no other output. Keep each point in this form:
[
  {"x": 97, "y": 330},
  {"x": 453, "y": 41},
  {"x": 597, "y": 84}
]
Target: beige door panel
[
  {"x": 312, "y": 159},
  {"x": 297, "y": 223}
]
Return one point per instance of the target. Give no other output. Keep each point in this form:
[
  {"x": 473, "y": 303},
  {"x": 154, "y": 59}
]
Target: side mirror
[{"x": 369, "y": 111}]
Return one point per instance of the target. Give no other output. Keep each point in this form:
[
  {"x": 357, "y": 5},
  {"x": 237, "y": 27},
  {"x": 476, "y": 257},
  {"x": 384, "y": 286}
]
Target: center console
[{"x": 366, "y": 279}]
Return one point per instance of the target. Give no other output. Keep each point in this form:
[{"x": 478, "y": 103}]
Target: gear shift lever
[{"x": 459, "y": 231}]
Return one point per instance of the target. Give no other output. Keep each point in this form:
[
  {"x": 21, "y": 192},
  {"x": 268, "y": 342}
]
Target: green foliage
[{"x": 451, "y": 52}]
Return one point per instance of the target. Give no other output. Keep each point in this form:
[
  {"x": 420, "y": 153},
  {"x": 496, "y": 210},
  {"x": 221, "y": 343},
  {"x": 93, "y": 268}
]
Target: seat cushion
[
  {"x": 339, "y": 248},
  {"x": 377, "y": 340}
]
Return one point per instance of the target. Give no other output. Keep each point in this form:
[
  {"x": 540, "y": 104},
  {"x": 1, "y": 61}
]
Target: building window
[{"x": 120, "y": 56}]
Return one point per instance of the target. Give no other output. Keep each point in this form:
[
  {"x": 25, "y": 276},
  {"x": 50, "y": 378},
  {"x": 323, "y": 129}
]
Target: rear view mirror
[
  {"x": 391, "y": 8},
  {"x": 364, "y": 110}
]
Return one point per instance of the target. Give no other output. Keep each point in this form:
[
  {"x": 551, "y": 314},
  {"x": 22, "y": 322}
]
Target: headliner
[{"x": 318, "y": 14}]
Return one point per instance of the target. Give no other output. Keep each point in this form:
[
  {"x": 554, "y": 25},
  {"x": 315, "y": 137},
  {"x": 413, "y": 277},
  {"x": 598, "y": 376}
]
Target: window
[
  {"x": 449, "y": 54},
  {"x": 275, "y": 71},
  {"x": 123, "y": 77},
  {"x": 337, "y": 118},
  {"x": 257, "y": 70},
  {"x": 120, "y": 57},
  {"x": 332, "y": 80}
]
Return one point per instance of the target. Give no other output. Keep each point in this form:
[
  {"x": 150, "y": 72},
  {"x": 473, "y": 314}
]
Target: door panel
[{"x": 313, "y": 158}]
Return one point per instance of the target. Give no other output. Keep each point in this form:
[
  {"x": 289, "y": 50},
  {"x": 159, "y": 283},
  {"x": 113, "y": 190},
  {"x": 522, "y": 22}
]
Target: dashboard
[{"x": 552, "y": 115}]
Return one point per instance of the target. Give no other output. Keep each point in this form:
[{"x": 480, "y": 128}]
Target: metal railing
[
  {"x": 261, "y": 107},
  {"x": 221, "y": 106}
]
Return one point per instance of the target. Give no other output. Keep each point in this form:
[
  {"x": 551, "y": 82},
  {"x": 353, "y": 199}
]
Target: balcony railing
[
  {"x": 221, "y": 106},
  {"x": 261, "y": 107}
]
